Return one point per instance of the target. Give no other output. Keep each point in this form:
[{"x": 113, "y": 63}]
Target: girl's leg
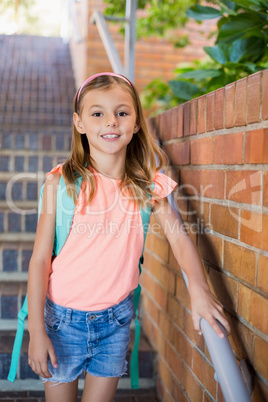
[
  {"x": 99, "y": 389},
  {"x": 61, "y": 392}
]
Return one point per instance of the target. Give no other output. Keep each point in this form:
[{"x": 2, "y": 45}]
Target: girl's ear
[
  {"x": 136, "y": 128},
  {"x": 78, "y": 123}
]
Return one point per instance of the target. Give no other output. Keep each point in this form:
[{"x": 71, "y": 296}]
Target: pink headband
[{"x": 98, "y": 75}]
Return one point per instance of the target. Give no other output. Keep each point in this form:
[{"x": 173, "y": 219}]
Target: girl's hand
[
  {"x": 40, "y": 348},
  {"x": 205, "y": 305}
]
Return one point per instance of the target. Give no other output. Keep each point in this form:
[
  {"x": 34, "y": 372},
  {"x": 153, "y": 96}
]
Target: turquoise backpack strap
[
  {"x": 18, "y": 341},
  {"x": 134, "y": 361},
  {"x": 64, "y": 215}
]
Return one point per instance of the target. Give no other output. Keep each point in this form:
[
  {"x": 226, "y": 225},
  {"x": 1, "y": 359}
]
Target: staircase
[{"x": 36, "y": 94}]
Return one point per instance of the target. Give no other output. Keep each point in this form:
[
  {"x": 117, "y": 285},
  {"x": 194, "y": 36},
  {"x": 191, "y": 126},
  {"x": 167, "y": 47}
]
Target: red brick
[
  {"x": 256, "y": 148},
  {"x": 241, "y": 338},
  {"x": 265, "y": 189},
  {"x": 224, "y": 220},
  {"x": 165, "y": 373},
  {"x": 201, "y": 115},
  {"x": 254, "y": 229},
  {"x": 228, "y": 149},
  {"x": 159, "y": 340},
  {"x": 240, "y": 262},
  {"x": 224, "y": 288},
  {"x": 150, "y": 308},
  {"x": 244, "y": 186},
  {"x": 229, "y": 105},
  {"x": 212, "y": 183},
  {"x": 181, "y": 153},
  {"x": 173, "y": 361},
  {"x": 202, "y": 151},
  {"x": 166, "y": 124},
  {"x": 193, "y": 116},
  {"x": 198, "y": 212},
  {"x": 186, "y": 119},
  {"x": 210, "y": 248},
  {"x": 183, "y": 347},
  {"x": 181, "y": 203},
  {"x": 173, "y": 118},
  {"x": 192, "y": 387},
  {"x": 254, "y": 98},
  {"x": 253, "y": 308},
  {"x": 175, "y": 311},
  {"x": 204, "y": 372},
  {"x": 179, "y": 121},
  {"x": 210, "y": 111},
  {"x": 264, "y": 94},
  {"x": 262, "y": 281},
  {"x": 219, "y": 108},
  {"x": 158, "y": 246},
  {"x": 260, "y": 391},
  {"x": 160, "y": 296},
  {"x": 208, "y": 183},
  {"x": 177, "y": 393},
  {"x": 148, "y": 283},
  {"x": 261, "y": 356},
  {"x": 240, "y": 102},
  {"x": 182, "y": 293}
]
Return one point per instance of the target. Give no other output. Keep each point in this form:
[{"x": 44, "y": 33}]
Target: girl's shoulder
[
  {"x": 163, "y": 184},
  {"x": 57, "y": 170}
]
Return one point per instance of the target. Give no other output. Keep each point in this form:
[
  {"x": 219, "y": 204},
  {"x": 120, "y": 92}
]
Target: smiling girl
[{"x": 80, "y": 306}]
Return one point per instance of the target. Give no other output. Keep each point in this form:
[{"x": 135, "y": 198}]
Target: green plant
[
  {"x": 160, "y": 17},
  {"x": 240, "y": 49}
]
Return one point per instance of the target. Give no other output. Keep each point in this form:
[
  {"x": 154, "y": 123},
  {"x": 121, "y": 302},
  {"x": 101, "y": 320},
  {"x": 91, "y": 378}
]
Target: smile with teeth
[{"x": 110, "y": 136}]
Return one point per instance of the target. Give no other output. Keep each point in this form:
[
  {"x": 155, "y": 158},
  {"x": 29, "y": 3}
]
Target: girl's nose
[{"x": 111, "y": 121}]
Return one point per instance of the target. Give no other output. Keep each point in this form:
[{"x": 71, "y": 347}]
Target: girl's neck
[{"x": 114, "y": 168}]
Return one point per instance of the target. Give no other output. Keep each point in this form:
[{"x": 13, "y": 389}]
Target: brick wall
[
  {"x": 155, "y": 58},
  {"x": 218, "y": 150}
]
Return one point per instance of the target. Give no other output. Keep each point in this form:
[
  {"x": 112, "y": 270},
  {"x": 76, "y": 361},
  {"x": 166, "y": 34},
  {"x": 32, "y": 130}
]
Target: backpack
[{"x": 64, "y": 214}]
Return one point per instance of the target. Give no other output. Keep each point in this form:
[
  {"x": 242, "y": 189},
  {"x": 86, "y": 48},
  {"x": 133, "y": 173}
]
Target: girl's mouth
[{"x": 110, "y": 137}]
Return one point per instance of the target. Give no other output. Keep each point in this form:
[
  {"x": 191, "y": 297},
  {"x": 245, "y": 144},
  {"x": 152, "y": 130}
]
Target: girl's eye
[
  {"x": 122, "y": 114},
  {"x": 97, "y": 114}
]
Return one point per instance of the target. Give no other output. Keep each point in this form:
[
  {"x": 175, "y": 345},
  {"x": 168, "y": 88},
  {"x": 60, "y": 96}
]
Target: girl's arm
[
  {"x": 203, "y": 302},
  {"x": 40, "y": 345}
]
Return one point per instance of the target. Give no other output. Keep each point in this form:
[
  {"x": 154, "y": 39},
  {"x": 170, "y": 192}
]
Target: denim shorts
[{"x": 89, "y": 341}]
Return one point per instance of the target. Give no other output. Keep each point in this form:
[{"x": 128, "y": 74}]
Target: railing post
[{"x": 130, "y": 39}]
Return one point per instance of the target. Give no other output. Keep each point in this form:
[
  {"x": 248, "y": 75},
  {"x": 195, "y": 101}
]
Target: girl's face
[{"x": 108, "y": 119}]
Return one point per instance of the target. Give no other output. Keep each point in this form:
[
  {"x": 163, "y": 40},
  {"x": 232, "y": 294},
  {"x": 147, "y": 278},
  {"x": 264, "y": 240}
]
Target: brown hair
[{"x": 141, "y": 155}]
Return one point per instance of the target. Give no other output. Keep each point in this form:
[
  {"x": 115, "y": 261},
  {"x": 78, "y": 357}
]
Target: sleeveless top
[{"x": 98, "y": 265}]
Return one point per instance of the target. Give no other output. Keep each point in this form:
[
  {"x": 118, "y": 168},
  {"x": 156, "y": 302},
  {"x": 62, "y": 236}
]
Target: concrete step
[
  {"x": 37, "y": 85},
  {"x": 28, "y": 391},
  {"x": 45, "y": 139}
]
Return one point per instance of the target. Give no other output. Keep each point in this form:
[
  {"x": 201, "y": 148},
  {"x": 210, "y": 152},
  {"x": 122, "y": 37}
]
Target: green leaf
[
  {"x": 184, "y": 90},
  {"x": 250, "y": 49},
  {"x": 248, "y": 3},
  {"x": 201, "y": 13},
  {"x": 199, "y": 75},
  {"x": 230, "y": 5},
  {"x": 239, "y": 26},
  {"x": 218, "y": 52}
]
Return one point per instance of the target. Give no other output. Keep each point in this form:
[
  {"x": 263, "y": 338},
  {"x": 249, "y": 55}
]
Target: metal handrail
[
  {"x": 130, "y": 38},
  {"x": 227, "y": 372}
]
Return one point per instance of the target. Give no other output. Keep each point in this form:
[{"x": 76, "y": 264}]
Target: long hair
[{"x": 141, "y": 155}]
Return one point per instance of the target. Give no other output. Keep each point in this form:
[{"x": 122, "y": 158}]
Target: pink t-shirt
[{"x": 98, "y": 265}]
